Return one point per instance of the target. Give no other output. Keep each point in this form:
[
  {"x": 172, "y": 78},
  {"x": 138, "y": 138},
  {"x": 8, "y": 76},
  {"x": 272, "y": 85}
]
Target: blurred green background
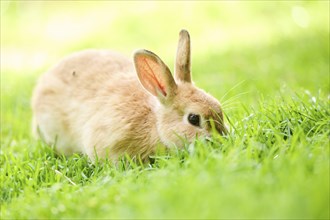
[{"x": 266, "y": 45}]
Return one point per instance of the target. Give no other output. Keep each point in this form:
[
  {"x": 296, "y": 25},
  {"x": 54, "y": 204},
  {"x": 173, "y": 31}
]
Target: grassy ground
[{"x": 267, "y": 62}]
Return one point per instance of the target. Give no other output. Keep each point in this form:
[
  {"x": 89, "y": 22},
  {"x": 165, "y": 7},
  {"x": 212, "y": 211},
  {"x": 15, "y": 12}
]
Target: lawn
[{"x": 268, "y": 64}]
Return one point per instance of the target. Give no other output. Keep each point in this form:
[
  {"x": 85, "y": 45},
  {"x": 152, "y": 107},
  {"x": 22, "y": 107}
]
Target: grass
[{"x": 275, "y": 92}]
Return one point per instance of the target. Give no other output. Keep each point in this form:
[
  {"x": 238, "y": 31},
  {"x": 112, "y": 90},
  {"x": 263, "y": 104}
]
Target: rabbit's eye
[{"x": 194, "y": 119}]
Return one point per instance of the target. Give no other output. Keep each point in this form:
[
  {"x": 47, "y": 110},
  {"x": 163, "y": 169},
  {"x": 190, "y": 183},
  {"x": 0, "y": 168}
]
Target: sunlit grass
[{"x": 276, "y": 154}]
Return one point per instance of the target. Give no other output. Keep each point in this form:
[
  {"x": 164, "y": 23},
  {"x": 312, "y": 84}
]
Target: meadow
[{"x": 267, "y": 63}]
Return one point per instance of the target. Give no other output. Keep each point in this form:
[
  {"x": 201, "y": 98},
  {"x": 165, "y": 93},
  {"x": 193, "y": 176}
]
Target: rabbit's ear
[
  {"x": 153, "y": 74},
  {"x": 183, "y": 63}
]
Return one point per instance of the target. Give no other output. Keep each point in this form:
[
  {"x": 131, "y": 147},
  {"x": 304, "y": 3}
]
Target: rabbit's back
[
  {"x": 85, "y": 95},
  {"x": 87, "y": 70}
]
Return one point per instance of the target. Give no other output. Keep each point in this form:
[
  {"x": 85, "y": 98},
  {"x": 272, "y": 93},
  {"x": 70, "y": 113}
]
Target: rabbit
[{"x": 100, "y": 103}]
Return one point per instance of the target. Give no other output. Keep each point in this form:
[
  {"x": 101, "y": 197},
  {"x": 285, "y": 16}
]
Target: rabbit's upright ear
[
  {"x": 183, "y": 58},
  {"x": 153, "y": 74}
]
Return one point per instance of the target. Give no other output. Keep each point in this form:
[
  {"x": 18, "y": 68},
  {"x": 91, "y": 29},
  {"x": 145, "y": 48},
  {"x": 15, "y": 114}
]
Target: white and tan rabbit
[{"x": 98, "y": 102}]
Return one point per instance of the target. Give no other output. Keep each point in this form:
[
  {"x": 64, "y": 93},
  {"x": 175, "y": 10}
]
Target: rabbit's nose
[
  {"x": 208, "y": 138},
  {"x": 226, "y": 129}
]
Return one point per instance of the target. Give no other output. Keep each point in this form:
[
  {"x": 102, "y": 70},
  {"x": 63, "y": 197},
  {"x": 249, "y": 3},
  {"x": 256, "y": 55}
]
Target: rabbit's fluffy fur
[{"x": 101, "y": 103}]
